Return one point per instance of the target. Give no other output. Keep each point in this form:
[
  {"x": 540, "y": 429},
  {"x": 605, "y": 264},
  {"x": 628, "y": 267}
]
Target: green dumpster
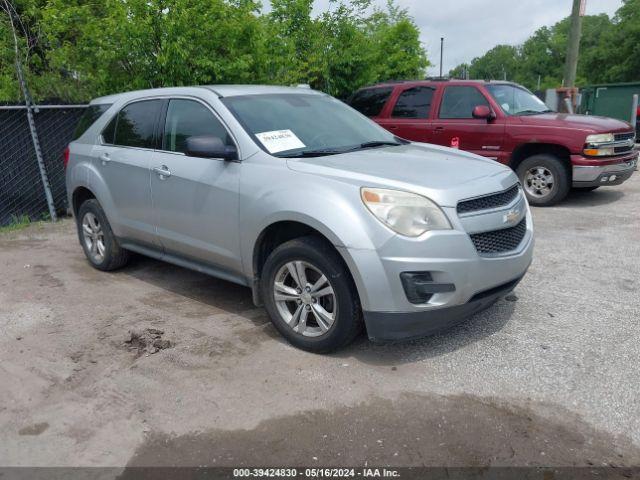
[{"x": 609, "y": 99}]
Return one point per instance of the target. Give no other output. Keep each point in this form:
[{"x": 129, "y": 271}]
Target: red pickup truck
[{"x": 551, "y": 152}]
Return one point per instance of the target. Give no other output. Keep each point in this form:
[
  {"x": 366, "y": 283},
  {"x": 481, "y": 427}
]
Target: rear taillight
[{"x": 65, "y": 157}]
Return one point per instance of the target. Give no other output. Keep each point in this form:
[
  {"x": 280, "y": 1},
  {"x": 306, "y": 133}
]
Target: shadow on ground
[
  {"x": 477, "y": 327},
  {"x": 412, "y": 430},
  {"x": 212, "y": 294},
  {"x": 601, "y": 196},
  {"x": 195, "y": 294}
]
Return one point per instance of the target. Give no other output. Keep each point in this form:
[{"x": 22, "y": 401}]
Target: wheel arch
[
  {"x": 526, "y": 150},
  {"x": 80, "y": 195},
  {"x": 281, "y": 231}
]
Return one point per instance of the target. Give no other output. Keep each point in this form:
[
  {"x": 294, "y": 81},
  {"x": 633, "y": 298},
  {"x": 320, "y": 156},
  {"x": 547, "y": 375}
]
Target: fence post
[
  {"x": 32, "y": 123},
  {"x": 634, "y": 110},
  {"x": 36, "y": 147}
]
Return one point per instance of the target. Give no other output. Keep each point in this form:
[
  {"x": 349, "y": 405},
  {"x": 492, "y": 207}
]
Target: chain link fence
[{"x": 21, "y": 189}]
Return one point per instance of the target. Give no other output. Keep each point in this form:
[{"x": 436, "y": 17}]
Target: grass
[
  {"x": 17, "y": 223},
  {"x": 23, "y": 221}
]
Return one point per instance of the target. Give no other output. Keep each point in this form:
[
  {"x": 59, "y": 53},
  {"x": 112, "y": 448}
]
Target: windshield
[
  {"x": 290, "y": 125},
  {"x": 517, "y": 100}
]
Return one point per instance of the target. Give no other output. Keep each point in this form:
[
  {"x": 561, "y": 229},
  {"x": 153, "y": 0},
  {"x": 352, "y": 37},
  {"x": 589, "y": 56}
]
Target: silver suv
[{"x": 333, "y": 222}]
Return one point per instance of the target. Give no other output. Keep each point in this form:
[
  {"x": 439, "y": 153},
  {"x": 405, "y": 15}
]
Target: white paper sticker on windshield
[{"x": 280, "y": 140}]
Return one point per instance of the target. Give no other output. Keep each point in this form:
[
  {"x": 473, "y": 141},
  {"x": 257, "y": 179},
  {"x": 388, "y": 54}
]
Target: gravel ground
[{"x": 548, "y": 376}]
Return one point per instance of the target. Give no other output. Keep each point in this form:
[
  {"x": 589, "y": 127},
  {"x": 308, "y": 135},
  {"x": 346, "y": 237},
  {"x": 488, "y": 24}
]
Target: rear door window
[
  {"x": 413, "y": 103},
  {"x": 370, "y": 101},
  {"x": 89, "y": 117},
  {"x": 459, "y": 101},
  {"x": 135, "y": 125}
]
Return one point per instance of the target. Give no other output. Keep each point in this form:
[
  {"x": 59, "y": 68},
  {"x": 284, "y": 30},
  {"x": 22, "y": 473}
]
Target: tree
[
  {"x": 499, "y": 63},
  {"x": 609, "y": 51},
  {"x": 395, "y": 40},
  {"x": 619, "y": 47},
  {"x": 83, "y": 48}
]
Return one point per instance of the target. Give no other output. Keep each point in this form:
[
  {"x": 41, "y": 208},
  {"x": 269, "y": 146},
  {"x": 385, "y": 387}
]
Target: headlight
[
  {"x": 406, "y": 213},
  {"x": 596, "y": 145},
  {"x": 600, "y": 138}
]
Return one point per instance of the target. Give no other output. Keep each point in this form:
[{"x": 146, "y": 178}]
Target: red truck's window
[
  {"x": 370, "y": 101},
  {"x": 459, "y": 101},
  {"x": 413, "y": 103}
]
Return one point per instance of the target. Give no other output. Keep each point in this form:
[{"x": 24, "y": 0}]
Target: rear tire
[
  {"x": 545, "y": 179},
  {"x": 314, "y": 314},
  {"x": 97, "y": 239}
]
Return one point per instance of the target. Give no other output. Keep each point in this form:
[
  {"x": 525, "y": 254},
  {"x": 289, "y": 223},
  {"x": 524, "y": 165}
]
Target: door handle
[
  {"x": 392, "y": 127},
  {"x": 104, "y": 158},
  {"x": 439, "y": 129},
  {"x": 163, "y": 172}
]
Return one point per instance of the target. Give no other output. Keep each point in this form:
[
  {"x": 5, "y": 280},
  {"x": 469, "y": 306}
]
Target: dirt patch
[
  {"x": 45, "y": 278},
  {"x": 147, "y": 341},
  {"x": 36, "y": 429},
  {"x": 415, "y": 430}
]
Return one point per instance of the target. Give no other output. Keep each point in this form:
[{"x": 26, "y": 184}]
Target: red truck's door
[
  {"x": 408, "y": 114},
  {"x": 454, "y": 126}
]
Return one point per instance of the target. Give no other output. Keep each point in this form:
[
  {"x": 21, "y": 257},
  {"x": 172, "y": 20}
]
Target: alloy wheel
[
  {"x": 93, "y": 237},
  {"x": 305, "y": 299}
]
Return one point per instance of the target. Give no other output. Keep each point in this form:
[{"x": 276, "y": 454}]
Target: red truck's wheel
[{"x": 544, "y": 178}]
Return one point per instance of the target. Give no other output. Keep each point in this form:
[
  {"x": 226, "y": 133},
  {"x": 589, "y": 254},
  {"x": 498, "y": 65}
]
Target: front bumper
[
  {"x": 390, "y": 326},
  {"x": 450, "y": 258},
  {"x": 585, "y": 175}
]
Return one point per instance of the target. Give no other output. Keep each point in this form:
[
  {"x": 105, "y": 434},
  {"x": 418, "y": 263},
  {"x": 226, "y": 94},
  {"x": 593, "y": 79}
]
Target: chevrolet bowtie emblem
[{"x": 511, "y": 216}]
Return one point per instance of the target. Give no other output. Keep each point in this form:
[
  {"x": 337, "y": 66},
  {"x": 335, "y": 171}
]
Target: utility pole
[
  {"x": 441, "y": 50},
  {"x": 32, "y": 123},
  {"x": 573, "y": 45}
]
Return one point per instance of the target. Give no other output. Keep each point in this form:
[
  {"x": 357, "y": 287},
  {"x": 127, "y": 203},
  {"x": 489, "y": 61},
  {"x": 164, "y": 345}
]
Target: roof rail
[
  {"x": 397, "y": 81},
  {"x": 437, "y": 79}
]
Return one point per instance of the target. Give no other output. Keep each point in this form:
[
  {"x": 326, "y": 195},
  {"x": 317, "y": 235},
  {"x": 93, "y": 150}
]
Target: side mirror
[
  {"x": 209, "y": 146},
  {"x": 482, "y": 112}
]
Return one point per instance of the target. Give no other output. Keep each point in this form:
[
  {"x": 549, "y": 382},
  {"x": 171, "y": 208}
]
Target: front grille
[
  {"x": 625, "y": 149},
  {"x": 489, "y": 201},
  {"x": 620, "y": 137},
  {"x": 499, "y": 241}
]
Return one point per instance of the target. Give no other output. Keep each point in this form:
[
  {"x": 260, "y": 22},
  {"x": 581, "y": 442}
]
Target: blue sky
[{"x": 471, "y": 27}]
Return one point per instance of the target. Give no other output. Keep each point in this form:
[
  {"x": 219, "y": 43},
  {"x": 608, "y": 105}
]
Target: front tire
[
  {"x": 545, "y": 179},
  {"x": 97, "y": 239},
  {"x": 310, "y": 295}
]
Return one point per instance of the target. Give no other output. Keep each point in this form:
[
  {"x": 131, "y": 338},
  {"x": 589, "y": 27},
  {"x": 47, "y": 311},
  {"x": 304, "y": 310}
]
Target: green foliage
[
  {"x": 80, "y": 49},
  {"x": 621, "y": 45},
  {"x": 17, "y": 223},
  {"x": 499, "y": 62},
  {"x": 609, "y": 52}
]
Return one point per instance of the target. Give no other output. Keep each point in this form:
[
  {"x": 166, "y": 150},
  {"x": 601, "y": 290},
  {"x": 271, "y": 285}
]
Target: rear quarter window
[
  {"x": 134, "y": 125},
  {"x": 370, "y": 101},
  {"x": 89, "y": 117}
]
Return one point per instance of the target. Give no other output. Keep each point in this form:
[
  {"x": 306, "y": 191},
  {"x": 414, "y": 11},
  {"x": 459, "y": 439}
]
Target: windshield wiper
[
  {"x": 375, "y": 143},
  {"x": 329, "y": 151},
  {"x": 311, "y": 153},
  {"x": 533, "y": 112}
]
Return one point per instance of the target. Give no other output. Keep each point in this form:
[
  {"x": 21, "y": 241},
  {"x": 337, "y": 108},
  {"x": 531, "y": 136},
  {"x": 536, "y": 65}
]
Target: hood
[
  {"x": 590, "y": 123},
  {"x": 443, "y": 174}
]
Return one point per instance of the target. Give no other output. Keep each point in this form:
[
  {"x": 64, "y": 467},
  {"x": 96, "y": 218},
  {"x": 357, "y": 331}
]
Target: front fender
[{"x": 331, "y": 207}]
